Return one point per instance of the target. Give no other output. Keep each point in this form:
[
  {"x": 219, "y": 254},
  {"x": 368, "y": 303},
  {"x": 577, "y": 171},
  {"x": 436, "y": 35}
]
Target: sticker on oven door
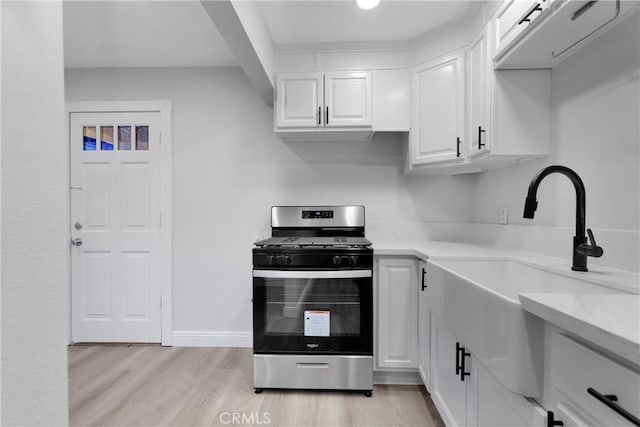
[{"x": 317, "y": 323}]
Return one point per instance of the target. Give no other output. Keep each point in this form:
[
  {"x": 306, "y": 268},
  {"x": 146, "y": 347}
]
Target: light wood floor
[{"x": 145, "y": 385}]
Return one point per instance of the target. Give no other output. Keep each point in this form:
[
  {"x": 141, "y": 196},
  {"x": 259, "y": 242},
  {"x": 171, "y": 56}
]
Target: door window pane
[
  {"x": 124, "y": 138},
  {"x": 142, "y": 137},
  {"x": 89, "y": 138},
  {"x": 106, "y": 138}
]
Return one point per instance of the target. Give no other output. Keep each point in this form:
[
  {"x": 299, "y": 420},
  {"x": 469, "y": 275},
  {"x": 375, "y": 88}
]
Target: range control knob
[
  {"x": 337, "y": 260},
  {"x": 283, "y": 260},
  {"x": 353, "y": 259},
  {"x": 270, "y": 259}
]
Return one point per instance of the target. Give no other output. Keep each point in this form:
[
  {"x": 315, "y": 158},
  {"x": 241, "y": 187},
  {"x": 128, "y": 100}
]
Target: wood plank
[{"x": 116, "y": 385}]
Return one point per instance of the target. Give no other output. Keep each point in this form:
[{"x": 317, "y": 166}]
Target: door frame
[{"x": 164, "y": 107}]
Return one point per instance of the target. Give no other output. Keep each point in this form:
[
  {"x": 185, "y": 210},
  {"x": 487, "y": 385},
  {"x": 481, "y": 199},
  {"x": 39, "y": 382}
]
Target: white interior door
[{"x": 115, "y": 225}]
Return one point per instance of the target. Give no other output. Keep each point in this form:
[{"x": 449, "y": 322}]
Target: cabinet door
[
  {"x": 397, "y": 313},
  {"x": 479, "y": 92},
  {"x": 495, "y": 406},
  {"x": 424, "y": 326},
  {"x": 438, "y": 110},
  {"x": 448, "y": 392},
  {"x": 298, "y": 100},
  {"x": 510, "y": 19},
  {"x": 391, "y": 105},
  {"x": 347, "y": 99}
]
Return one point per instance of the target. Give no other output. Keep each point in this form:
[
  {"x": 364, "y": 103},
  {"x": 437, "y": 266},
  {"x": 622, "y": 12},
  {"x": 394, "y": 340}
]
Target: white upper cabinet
[
  {"x": 510, "y": 116},
  {"x": 553, "y": 32},
  {"x": 437, "y": 123},
  {"x": 316, "y": 103},
  {"x": 508, "y": 113},
  {"x": 391, "y": 95},
  {"x": 347, "y": 99},
  {"x": 478, "y": 80},
  {"x": 513, "y": 17},
  {"x": 299, "y": 100}
]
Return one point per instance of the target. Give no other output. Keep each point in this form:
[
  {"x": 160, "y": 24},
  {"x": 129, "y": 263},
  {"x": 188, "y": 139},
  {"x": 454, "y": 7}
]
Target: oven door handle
[{"x": 319, "y": 274}]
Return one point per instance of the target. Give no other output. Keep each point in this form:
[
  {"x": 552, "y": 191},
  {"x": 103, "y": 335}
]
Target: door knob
[{"x": 76, "y": 242}]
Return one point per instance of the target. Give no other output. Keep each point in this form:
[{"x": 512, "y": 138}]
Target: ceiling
[
  {"x": 293, "y": 22},
  {"x": 141, "y": 34},
  {"x": 180, "y": 33}
]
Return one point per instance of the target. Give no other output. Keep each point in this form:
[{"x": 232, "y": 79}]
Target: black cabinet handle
[
  {"x": 458, "y": 147},
  {"x": 460, "y": 361},
  {"x": 536, "y": 7},
  {"x": 424, "y": 283},
  {"x": 551, "y": 422},
  {"x": 326, "y": 121},
  {"x": 319, "y": 114},
  {"x": 463, "y": 356},
  {"x": 583, "y": 9},
  {"x": 610, "y": 400},
  {"x": 480, "y": 143}
]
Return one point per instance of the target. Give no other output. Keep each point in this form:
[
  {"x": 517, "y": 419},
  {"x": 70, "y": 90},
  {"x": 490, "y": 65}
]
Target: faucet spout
[
  {"x": 580, "y": 247},
  {"x": 531, "y": 202}
]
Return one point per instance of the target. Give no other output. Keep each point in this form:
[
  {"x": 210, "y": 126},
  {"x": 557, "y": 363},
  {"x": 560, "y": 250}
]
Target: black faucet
[{"x": 580, "y": 247}]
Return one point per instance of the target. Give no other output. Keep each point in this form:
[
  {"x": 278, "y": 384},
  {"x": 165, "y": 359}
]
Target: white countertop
[{"x": 609, "y": 321}]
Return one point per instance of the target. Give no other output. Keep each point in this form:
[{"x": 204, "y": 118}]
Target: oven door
[{"x": 313, "y": 312}]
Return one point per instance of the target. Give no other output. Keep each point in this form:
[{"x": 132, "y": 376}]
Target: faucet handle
[{"x": 590, "y": 250}]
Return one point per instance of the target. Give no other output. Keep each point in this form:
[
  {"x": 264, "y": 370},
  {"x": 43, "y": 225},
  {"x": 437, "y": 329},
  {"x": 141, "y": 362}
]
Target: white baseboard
[
  {"x": 397, "y": 377},
  {"x": 213, "y": 339}
]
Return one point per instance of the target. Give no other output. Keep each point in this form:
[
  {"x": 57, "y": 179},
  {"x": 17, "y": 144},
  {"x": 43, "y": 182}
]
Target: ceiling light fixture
[{"x": 367, "y": 4}]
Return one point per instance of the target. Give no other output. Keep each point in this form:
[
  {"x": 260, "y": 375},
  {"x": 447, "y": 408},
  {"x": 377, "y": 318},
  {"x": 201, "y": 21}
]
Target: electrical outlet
[{"x": 504, "y": 215}]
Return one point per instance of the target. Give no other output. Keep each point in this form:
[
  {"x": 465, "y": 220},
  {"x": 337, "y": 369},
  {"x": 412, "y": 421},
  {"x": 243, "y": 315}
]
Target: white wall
[
  {"x": 251, "y": 17},
  {"x": 34, "y": 216},
  {"x": 229, "y": 168},
  {"x": 595, "y": 131}
]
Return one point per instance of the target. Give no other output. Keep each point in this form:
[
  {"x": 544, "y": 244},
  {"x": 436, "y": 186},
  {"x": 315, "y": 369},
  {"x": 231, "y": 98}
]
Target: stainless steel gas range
[{"x": 313, "y": 301}]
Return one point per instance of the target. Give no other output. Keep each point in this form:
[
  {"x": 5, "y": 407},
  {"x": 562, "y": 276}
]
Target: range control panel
[{"x": 317, "y": 214}]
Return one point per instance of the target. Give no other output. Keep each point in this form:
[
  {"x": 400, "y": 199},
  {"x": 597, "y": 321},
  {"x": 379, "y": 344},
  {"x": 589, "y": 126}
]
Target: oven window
[{"x": 312, "y": 307}]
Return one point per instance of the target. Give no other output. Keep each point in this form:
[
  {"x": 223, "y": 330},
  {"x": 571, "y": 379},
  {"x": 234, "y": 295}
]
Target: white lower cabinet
[
  {"x": 493, "y": 405},
  {"x": 467, "y": 394},
  {"x": 424, "y": 327},
  {"x": 409, "y": 337},
  {"x": 450, "y": 390},
  {"x": 587, "y": 388},
  {"x": 396, "y": 312}
]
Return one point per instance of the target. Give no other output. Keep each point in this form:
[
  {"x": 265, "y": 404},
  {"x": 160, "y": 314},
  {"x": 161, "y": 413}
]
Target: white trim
[
  {"x": 325, "y": 274},
  {"x": 242, "y": 339},
  {"x": 343, "y": 47},
  {"x": 397, "y": 377},
  {"x": 164, "y": 107}
]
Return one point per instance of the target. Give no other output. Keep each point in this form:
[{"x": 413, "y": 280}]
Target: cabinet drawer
[{"x": 575, "y": 368}]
